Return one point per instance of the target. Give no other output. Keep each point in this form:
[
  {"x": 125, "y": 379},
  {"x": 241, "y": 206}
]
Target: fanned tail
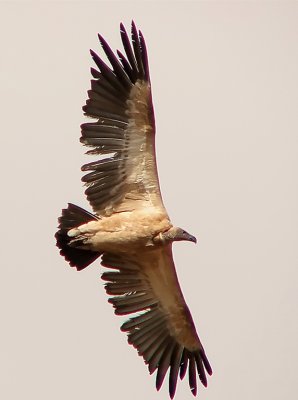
[{"x": 72, "y": 217}]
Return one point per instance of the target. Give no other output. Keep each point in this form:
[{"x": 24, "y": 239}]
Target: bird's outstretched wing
[
  {"x": 164, "y": 332},
  {"x": 120, "y": 99}
]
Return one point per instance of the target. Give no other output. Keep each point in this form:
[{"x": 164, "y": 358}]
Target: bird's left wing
[
  {"x": 120, "y": 99},
  {"x": 164, "y": 333}
]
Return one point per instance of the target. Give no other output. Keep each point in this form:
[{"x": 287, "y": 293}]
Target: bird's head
[{"x": 177, "y": 234}]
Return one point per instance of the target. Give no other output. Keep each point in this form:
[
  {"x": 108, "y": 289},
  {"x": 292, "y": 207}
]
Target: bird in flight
[{"x": 130, "y": 228}]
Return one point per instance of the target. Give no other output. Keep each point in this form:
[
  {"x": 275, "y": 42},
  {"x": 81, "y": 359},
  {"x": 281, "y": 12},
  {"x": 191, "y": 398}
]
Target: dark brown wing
[
  {"x": 164, "y": 333},
  {"x": 120, "y": 100}
]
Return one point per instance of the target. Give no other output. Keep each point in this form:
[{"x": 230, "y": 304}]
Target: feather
[
  {"x": 183, "y": 364},
  {"x": 175, "y": 364},
  {"x": 137, "y": 49},
  {"x": 164, "y": 364},
  {"x": 118, "y": 69},
  {"x": 136, "y": 321},
  {"x": 125, "y": 64},
  {"x": 192, "y": 375},
  {"x": 107, "y": 73},
  {"x": 129, "y": 52}
]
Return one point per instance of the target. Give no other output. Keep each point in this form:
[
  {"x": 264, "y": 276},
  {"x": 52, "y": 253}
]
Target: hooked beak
[{"x": 192, "y": 238}]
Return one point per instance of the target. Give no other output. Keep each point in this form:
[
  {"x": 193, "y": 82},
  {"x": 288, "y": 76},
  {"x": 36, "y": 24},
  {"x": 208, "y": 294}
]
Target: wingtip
[
  {"x": 141, "y": 35},
  {"x": 103, "y": 43},
  {"x": 123, "y": 31},
  {"x": 172, "y": 394},
  {"x": 206, "y": 362},
  {"x": 134, "y": 30},
  {"x": 172, "y": 388},
  {"x": 96, "y": 74},
  {"x": 159, "y": 381},
  {"x": 203, "y": 380}
]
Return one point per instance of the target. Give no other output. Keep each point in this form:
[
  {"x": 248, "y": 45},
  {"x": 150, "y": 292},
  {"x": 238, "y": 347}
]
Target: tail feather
[{"x": 72, "y": 217}]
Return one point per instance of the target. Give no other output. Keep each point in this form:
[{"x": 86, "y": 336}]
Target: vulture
[{"x": 129, "y": 227}]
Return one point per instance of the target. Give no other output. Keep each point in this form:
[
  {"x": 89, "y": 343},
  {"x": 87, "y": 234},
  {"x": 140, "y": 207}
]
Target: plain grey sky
[{"x": 225, "y": 90}]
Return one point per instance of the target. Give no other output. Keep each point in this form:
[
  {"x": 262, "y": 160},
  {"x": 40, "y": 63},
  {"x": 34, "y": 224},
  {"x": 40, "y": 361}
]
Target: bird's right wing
[
  {"x": 164, "y": 334},
  {"x": 120, "y": 99}
]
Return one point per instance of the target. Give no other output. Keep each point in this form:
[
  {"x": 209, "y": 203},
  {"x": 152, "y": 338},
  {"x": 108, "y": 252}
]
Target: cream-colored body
[{"x": 123, "y": 232}]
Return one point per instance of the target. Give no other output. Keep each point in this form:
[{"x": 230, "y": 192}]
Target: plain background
[{"x": 225, "y": 88}]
